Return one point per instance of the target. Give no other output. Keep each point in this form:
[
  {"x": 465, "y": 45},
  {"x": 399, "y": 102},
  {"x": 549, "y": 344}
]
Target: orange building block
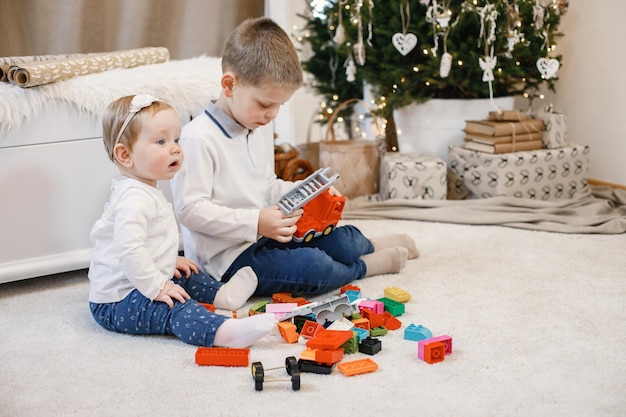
[
  {"x": 433, "y": 352},
  {"x": 288, "y": 331},
  {"x": 391, "y": 322},
  {"x": 222, "y": 356},
  {"x": 359, "y": 366},
  {"x": 362, "y": 323},
  {"x": 328, "y": 356},
  {"x": 349, "y": 287},
  {"x": 376, "y": 320},
  {"x": 329, "y": 339},
  {"x": 310, "y": 329},
  {"x": 208, "y": 306},
  {"x": 286, "y": 297}
]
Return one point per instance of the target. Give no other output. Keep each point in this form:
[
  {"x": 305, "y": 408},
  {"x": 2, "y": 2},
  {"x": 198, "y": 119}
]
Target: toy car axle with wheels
[{"x": 291, "y": 365}]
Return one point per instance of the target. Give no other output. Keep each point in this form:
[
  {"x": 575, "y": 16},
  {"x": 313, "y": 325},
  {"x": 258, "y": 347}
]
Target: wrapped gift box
[
  {"x": 555, "y": 132},
  {"x": 544, "y": 174},
  {"x": 412, "y": 176}
]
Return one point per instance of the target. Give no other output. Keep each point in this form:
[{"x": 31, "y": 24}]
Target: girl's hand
[
  {"x": 171, "y": 292},
  {"x": 185, "y": 265}
]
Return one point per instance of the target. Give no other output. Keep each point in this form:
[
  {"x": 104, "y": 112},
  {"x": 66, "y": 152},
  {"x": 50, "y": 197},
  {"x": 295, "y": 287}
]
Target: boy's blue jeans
[
  {"x": 188, "y": 321},
  {"x": 319, "y": 266}
]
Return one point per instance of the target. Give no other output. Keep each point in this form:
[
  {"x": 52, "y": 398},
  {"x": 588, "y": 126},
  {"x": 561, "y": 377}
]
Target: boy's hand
[
  {"x": 185, "y": 265},
  {"x": 275, "y": 225},
  {"x": 171, "y": 292},
  {"x": 333, "y": 191}
]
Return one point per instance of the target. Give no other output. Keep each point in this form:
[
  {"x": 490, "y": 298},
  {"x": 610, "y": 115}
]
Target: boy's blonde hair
[
  {"x": 115, "y": 116},
  {"x": 260, "y": 52}
]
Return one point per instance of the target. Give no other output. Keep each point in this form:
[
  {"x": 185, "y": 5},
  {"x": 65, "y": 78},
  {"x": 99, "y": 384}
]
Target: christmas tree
[{"x": 410, "y": 51}]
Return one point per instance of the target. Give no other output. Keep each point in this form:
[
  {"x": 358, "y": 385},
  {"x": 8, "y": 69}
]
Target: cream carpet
[{"x": 538, "y": 322}]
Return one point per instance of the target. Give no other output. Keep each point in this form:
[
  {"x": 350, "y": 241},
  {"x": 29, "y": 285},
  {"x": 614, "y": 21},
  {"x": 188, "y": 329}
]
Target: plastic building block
[
  {"x": 393, "y": 307},
  {"x": 291, "y": 365},
  {"x": 257, "y": 308},
  {"x": 376, "y": 306},
  {"x": 397, "y": 294},
  {"x": 300, "y": 320},
  {"x": 362, "y": 323},
  {"x": 329, "y": 339},
  {"x": 417, "y": 333},
  {"x": 314, "y": 367},
  {"x": 357, "y": 367},
  {"x": 445, "y": 339},
  {"x": 370, "y": 346},
  {"x": 222, "y": 356},
  {"x": 361, "y": 333},
  {"x": 328, "y": 356},
  {"x": 378, "y": 331},
  {"x": 302, "y": 310},
  {"x": 391, "y": 322},
  {"x": 341, "y": 324},
  {"x": 376, "y": 320},
  {"x": 286, "y": 297},
  {"x": 353, "y": 295},
  {"x": 350, "y": 287},
  {"x": 431, "y": 352},
  {"x": 280, "y": 309},
  {"x": 288, "y": 331},
  {"x": 208, "y": 306},
  {"x": 332, "y": 310},
  {"x": 310, "y": 329},
  {"x": 352, "y": 344}
]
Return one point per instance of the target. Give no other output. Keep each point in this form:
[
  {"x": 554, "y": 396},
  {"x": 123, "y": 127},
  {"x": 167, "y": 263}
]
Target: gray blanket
[{"x": 603, "y": 212}]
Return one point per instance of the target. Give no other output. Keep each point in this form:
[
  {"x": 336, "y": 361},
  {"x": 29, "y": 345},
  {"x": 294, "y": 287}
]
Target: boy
[{"x": 225, "y": 195}]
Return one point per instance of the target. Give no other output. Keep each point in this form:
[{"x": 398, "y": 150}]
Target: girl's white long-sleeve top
[{"x": 135, "y": 243}]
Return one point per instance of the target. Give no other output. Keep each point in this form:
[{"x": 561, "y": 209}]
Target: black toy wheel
[
  {"x": 258, "y": 375},
  {"x": 295, "y": 381},
  {"x": 309, "y": 236},
  {"x": 291, "y": 364},
  {"x": 328, "y": 229}
]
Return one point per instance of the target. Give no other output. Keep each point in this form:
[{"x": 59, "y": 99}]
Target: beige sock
[
  {"x": 241, "y": 333},
  {"x": 237, "y": 290},
  {"x": 385, "y": 261},
  {"x": 400, "y": 240}
]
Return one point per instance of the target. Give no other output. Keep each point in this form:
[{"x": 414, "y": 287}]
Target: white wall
[{"x": 590, "y": 89}]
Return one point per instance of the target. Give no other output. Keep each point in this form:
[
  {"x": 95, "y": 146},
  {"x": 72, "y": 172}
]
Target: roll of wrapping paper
[
  {"x": 15, "y": 61},
  {"x": 35, "y": 74}
]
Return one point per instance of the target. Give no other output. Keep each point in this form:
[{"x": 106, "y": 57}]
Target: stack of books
[{"x": 504, "y": 132}]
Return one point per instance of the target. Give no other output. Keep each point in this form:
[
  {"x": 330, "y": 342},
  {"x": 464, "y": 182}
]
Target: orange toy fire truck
[{"x": 322, "y": 210}]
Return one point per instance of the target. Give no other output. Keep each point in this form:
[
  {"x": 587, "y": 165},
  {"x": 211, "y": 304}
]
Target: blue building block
[
  {"x": 361, "y": 333},
  {"x": 417, "y": 333}
]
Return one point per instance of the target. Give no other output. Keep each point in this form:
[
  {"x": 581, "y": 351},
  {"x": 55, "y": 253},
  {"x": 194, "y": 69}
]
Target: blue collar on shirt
[{"x": 229, "y": 126}]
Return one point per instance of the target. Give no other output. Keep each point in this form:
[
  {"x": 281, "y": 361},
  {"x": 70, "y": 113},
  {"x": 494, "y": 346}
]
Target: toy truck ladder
[{"x": 306, "y": 191}]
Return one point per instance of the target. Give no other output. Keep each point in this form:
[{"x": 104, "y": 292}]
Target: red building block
[{"x": 222, "y": 356}]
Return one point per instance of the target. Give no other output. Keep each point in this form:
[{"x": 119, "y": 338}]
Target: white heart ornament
[
  {"x": 548, "y": 67},
  {"x": 404, "y": 43}
]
